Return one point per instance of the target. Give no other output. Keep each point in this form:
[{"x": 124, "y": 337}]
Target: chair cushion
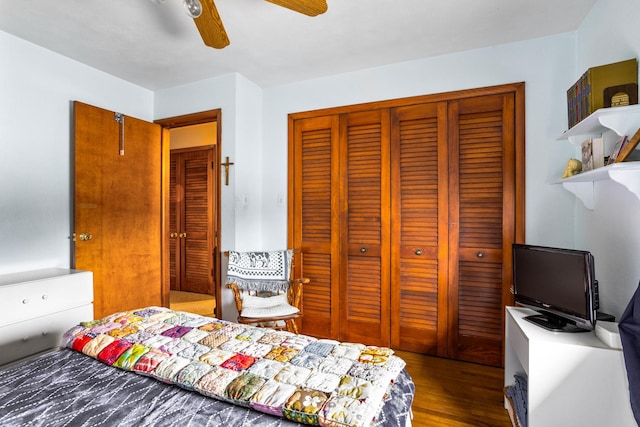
[{"x": 274, "y": 306}]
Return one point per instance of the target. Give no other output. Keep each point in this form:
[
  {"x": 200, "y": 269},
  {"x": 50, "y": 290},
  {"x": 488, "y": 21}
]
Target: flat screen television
[{"x": 557, "y": 283}]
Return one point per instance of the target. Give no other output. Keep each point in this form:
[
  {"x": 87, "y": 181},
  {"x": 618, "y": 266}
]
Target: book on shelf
[
  {"x": 597, "y": 152},
  {"x": 599, "y": 87},
  {"x": 616, "y": 149},
  {"x": 627, "y": 150}
]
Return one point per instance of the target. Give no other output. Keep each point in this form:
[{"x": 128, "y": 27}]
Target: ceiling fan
[{"x": 205, "y": 15}]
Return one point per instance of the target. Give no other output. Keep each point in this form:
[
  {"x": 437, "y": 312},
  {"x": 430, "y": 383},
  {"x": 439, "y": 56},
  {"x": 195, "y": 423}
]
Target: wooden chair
[{"x": 261, "y": 300}]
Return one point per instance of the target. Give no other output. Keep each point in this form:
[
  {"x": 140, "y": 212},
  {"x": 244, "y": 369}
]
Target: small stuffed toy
[{"x": 574, "y": 166}]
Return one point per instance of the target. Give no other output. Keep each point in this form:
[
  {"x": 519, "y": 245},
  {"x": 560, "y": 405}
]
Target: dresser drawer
[
  {"x": 23, "y": 339},
  {"x": 39, "y": 293}
]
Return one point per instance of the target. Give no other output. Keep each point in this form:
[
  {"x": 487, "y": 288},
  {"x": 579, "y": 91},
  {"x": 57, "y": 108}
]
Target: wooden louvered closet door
[
  {"x": 191, "y": 221},
  {"x": 364, "y": 228},
  {"x": 314, "y": 222},
  {"x": 405, "y": 212},
  {"x": 419, "y": 228},
  {"x": 481, "y": 218}
]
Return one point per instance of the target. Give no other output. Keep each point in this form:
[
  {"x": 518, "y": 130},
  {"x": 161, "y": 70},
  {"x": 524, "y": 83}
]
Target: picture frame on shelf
[
  {"x": 628, "y": 147},
  {"x": 616, "y": 149}
]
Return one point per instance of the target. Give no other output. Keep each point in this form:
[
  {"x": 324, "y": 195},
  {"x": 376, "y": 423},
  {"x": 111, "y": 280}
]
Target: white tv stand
[{"x": 573, "y": 379}]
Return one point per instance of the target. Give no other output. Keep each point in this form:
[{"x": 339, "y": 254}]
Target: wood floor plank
[{"x": 451, "y": 393}]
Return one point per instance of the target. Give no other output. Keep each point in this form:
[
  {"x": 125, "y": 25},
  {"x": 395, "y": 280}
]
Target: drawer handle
[
  {"x": 25, "y": 301},
  {"x": 363, "y": 250},
  {"x": 480, "y": 254},
  {"x": 418, "y": 252},
  {"x": 45, "y": 296},
  {"x": 44, "y": 333},
  {"x": 25, "y": 339}
]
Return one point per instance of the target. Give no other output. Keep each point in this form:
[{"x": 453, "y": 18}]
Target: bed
[
  {"x": 155, "y": 366},
  {"x": 77, "y": 395}
]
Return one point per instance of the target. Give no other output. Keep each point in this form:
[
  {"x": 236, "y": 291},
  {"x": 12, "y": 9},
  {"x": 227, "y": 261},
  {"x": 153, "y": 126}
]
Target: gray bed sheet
[{"x": 67, "y": 388}]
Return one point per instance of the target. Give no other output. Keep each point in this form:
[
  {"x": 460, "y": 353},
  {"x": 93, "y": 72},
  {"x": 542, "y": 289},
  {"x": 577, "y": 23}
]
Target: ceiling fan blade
[
  {"x": 210, "y": 26},
  {"x": 307, "y": 7}
]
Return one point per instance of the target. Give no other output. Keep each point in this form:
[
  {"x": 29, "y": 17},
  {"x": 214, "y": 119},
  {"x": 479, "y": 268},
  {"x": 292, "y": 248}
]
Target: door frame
[{"x": 167, "y": 124}]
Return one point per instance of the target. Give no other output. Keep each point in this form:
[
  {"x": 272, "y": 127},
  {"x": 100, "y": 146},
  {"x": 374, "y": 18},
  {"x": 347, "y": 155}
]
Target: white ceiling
[{"x": 158, "y": 46}]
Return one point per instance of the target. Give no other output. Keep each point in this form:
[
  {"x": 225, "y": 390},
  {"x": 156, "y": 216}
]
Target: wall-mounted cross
[{"x": 226, "y": 165}]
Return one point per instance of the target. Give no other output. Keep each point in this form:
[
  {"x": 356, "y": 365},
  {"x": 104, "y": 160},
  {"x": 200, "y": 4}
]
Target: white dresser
[{"x": 37, "y": 307}]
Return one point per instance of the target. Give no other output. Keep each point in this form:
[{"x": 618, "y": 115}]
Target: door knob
[
  {"x": 85, "y": 236},
  {"x": 173, "y": 235},
  {"x": 183, "y": 235}
]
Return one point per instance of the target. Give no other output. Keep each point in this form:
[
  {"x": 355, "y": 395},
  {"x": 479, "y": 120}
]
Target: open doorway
[{"x": 192, "y": 189}]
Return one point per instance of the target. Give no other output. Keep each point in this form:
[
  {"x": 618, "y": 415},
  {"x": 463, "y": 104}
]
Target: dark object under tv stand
[{"x": 605, "y": 317}]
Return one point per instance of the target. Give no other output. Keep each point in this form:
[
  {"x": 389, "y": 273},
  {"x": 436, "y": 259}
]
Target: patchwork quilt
[{"x": 301, "y": 378}]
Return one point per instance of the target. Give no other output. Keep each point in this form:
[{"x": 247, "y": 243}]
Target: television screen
[{"x": 558, "y": 283}]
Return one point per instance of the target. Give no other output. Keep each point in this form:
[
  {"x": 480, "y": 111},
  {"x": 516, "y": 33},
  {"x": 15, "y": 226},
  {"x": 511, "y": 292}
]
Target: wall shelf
[
  {"x": 621, "y": 120},
  {"x": 581, "y": 185}
]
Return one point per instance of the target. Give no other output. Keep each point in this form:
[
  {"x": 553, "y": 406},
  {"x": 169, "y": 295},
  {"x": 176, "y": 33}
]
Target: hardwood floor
[
  {"x": 192, "y": 302},
  {"x": 451, "y": 393}
]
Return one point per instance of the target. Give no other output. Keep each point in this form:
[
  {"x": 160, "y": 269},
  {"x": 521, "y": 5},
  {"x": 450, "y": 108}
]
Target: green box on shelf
[{"x": 618, "y": 80}]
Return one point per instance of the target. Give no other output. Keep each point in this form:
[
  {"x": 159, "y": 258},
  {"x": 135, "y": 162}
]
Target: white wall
[
  {"x": 611, "y": 33},
  {"x": 38, "y": 87},
  {"x": 546, "y": 65}
]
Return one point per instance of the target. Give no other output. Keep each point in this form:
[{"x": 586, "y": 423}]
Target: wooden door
[
  {"x": 314, "y": 224},
  {"x": 365, "y": 227},
  {"x": 482, "y": 212},
  {"x": 419, "y": 212},
  {"x": 117, "y": 208},
  {"x": 191, "y": 221}
]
